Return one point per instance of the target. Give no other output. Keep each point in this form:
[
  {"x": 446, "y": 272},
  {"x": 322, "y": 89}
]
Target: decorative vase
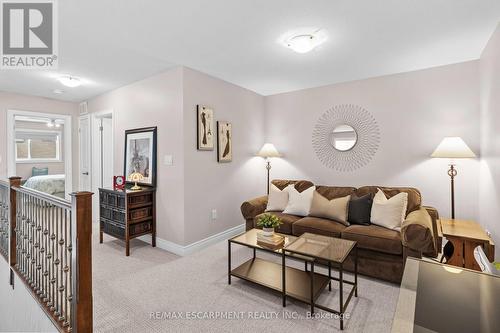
[{"x": 268, "y": 232}]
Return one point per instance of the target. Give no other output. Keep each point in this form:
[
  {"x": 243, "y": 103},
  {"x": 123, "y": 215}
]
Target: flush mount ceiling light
[
  {"x": 70, "y": 81},
  {"x": 304, "y": 41}
]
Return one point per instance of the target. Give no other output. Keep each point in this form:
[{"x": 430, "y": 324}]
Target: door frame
[
  {"x": 89, "y": 149},
  {"x": 68, "y": 130}
]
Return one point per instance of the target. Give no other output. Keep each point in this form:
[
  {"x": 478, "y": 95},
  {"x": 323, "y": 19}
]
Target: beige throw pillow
[
  {"x": 335, "y": 209},
  {"x": 277, "y": 199},
  {"x": 389, "y": 213}
]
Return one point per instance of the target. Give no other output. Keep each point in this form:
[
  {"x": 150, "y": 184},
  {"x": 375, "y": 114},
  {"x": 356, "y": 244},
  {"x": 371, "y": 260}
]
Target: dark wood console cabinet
[{"x": 127, "y": 214}]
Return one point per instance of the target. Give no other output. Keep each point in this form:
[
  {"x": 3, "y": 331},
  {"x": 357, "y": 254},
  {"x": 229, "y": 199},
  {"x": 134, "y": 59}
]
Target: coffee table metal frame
[
  {"x": 317, "y": 281},
  {"x": 340, "y": 266}
]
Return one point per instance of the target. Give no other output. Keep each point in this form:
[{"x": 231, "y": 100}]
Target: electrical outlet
[
  {"x": 214, "y": 214},
  {"x": 168, "y": 160}
]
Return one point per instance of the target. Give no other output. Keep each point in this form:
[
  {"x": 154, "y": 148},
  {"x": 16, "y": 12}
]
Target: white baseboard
[{"x": 181, "y": 250}]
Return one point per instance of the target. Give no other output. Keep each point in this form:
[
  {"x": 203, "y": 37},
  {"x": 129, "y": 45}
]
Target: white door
[
  {"x": 107, "y": 152},
  {"x": 85, "y": 183},
  {"x": 102, "y": 155}
]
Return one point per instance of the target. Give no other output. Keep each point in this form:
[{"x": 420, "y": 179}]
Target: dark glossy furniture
[
  {"x": 441, "y": 298},
  {"x": 128, "y": 214}
]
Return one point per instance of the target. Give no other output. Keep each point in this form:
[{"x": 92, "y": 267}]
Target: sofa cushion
[
  {"x": 299, "y": 203},
  {"x": 389, "y": 213},
  {"x": 277, "y": 199},
  {"x": 288, "y": 220},
  {"x": 334, "y": 209},
  {"x": 414, "y": 197},
  {"x": 300, "y": 185},
  {"x": 318, "y": 226},
  {"x": 374, "y": 237},
  {"x": 333, "y": 192},
  {"x": 360, "y": 209}
]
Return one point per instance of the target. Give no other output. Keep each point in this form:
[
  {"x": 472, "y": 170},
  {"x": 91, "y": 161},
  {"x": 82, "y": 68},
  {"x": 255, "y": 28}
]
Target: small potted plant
[{"x": 268, "y": 222}]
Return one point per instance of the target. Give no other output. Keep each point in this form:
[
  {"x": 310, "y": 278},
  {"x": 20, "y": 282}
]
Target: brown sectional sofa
[{"x": 382, "y": 252}]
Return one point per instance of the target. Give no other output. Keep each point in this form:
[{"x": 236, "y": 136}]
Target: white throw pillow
[
  {"x": 277, "y": 199},
  {"x": 299, "y": 203},
  {"x": 389, "y": 213}
]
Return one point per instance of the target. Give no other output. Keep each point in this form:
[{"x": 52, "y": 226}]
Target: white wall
[
  {"x": 222, "y": 186},
  {"x": 19, "y": 312},
  {"x": 155, "y": 101},
  {"x": 489, "y": 198},
  {"x": 414, "y": 111},
  {"x": 195, "y": 184}
]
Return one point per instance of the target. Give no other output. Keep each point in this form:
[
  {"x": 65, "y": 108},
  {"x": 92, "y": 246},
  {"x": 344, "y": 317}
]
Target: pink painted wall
[
  {"x": 155, "y": 101},
  {"x": 11, "y": 101},
  {"x": 414, "y": 111},
  {"x": 221, "y": 186},
  {"x": 489, "y": 199}
]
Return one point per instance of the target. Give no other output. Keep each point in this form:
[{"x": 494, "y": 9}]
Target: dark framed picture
[
  {"x": 224, "y": 142},
  {"x": 205, "y": 128},
  {"x": 140, "y": 155}
]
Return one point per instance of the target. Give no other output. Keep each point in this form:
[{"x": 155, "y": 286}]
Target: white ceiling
[{"x": 112, "y": 43}]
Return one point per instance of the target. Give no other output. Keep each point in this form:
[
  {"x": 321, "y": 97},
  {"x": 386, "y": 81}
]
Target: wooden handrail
[
  {"x": 50, "y": 249},
  {"x": 4, "y": 219},
  {"x": 13, "y": 182},
  {"x": 82, "y": 208},
  {"x": 42, "y": 195}
]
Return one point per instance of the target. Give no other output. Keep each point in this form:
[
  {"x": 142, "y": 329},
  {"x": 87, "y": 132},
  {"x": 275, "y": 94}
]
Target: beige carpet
[{"x": 128, "y": 289}]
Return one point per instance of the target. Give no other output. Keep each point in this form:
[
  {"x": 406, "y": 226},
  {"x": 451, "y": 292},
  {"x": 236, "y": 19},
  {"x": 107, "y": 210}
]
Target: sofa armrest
[
  {"x": 417, "y": 232},
  {"x": 254, "y": 207},
  {"x": 436, "y": 229}
]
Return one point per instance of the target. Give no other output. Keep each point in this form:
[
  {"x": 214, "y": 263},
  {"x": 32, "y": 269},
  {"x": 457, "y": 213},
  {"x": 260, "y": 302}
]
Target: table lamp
[
  {"x": 136, "y": 177},
  {"x": 453, "y": 147},
  {"x": 267, "y": 151}
]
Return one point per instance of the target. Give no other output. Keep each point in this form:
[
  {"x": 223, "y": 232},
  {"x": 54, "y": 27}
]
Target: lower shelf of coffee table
[{"x": 269, "y": 274}]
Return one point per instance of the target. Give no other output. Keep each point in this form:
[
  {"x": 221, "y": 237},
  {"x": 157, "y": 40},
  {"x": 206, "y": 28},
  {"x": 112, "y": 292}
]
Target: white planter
[{"x": 268, "y": 232}]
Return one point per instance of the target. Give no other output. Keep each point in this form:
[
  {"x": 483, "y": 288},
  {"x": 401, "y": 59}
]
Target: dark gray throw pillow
[{"x": 360, "y": 209}]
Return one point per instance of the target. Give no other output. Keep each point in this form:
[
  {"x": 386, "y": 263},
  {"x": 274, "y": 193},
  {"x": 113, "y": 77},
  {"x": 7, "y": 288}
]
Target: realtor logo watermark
[{"x": 29, "y": 34}]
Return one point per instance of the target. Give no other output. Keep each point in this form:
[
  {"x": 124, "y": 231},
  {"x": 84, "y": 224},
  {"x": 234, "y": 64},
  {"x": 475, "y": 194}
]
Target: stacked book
[{"x": 274, "y": 241}]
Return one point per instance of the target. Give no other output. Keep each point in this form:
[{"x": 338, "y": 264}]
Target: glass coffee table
[
  {"x": 333, "y": 251},
  {"x": 303, "y": 285}
]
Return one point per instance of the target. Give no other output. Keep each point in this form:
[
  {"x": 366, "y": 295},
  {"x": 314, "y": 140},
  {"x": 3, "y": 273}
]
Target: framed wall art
[
  {"x": 224, "y": 142},
  {"x": 140, "y": 155},
  {"x": 205, "y": 128}
]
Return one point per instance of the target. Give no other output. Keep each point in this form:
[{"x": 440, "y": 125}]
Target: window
[{"x": 38, "y": 146}]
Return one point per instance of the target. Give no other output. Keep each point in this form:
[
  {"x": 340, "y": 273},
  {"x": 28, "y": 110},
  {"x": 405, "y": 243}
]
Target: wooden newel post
[
  {"x": 81, "y": 207},
  {"x": 13, "y": 182}
]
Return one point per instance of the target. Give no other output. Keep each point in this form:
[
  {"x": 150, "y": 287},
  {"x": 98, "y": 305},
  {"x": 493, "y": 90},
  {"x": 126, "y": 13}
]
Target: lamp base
[
  {"x": 135, "y": 187},
  {"x": 452, "y": 172}
]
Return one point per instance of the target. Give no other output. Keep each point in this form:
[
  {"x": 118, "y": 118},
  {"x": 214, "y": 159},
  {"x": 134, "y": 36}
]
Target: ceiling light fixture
[
  {"x": 70, "y": 81},
  {"x": 305, "y": 42}
]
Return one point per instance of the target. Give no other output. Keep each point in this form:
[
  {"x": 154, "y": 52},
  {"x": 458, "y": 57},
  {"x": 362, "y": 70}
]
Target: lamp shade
[
  {"x": 453, "y": 147},
  {"x": 268, "y": 150},
  {"x": 136, "y": 177}
]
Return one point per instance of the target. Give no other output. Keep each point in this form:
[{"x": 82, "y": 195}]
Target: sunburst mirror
[{"x": 346, "y": 137}]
